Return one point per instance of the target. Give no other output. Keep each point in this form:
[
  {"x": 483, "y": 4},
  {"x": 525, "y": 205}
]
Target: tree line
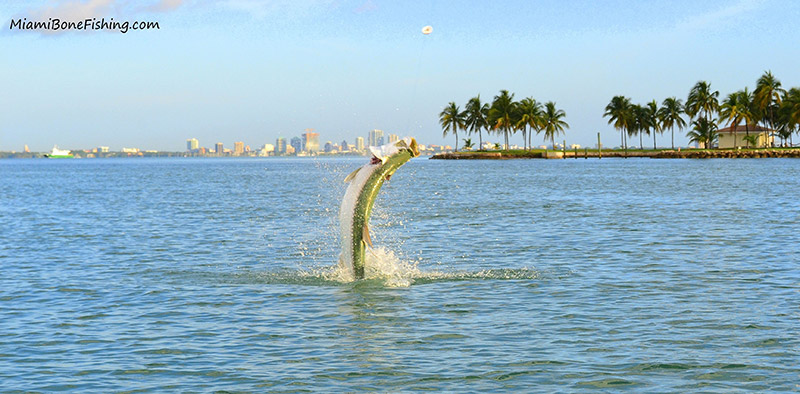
[
  {"x": 769, "y": 105},
  {"x": 504, "y": 116}
]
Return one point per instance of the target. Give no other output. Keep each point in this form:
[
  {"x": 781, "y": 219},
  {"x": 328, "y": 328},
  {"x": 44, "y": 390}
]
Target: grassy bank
[{"x": 594, "y": 153}]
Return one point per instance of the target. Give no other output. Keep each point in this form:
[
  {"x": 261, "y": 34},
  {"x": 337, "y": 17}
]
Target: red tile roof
[{"x": 742, "y": 129}]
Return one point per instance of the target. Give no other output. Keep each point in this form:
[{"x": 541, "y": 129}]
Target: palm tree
[
  {"x": 641, "y": 122},
  {"x": 618, "y": 112},
  {"x": 475, "y": 119},
  {"x": 733, "y": 109},
  {"x": 704, "y": 132},
  {"x": 503, "y": 113},
  {"x": 653, "y": 121},
  {"x": 530, "y": 113},
  {"x": 748, "y": 110},
  {"x": 702, "y": 99},
  {"x": 768, "y": 97},
  {"x": 670, "y": 116},
  {"x": 790, "y": 110},
  {"x": 536, "y": 117},
  {"x": 451, "y": 119},
  {"x": 468, "y": 144},
  {"x": 787, "y": 116},
  {"x": 751, "y": 139},
  {"x": 553, "y": 121}
]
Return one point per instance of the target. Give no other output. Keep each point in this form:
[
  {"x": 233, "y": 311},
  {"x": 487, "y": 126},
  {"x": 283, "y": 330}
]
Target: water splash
[{"x": 381, "y": 265}]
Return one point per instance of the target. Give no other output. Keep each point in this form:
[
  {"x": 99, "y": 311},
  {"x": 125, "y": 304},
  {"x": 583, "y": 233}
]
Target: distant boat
[{"x": 59, "y": 154}]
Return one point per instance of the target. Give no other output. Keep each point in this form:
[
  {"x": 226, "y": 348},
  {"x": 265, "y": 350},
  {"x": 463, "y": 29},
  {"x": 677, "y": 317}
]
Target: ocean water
[{"x": 204, "y": 275}]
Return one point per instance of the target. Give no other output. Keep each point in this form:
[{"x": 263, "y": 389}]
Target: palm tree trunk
[
  {"x": 672, "y": 131},
  {"x": 641, "y": 144},
  {"x": 480, "y": 140},
  {"x": 747, "y": 133},
  {"x": 455, "y": 131},
  {"x": 654, "y": 140},
  {"x": 524, "y": 139},
  {"x": 530, "y": 135},
  {"x": 625, "y": 143}
]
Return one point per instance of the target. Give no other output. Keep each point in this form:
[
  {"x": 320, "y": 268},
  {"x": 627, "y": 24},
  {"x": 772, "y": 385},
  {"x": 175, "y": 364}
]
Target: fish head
[{"x": 381, "y": 153}]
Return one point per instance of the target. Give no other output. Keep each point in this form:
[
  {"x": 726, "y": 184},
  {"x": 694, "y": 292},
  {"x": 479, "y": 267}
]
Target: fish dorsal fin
[
  {"x": 352, "y": 175},
  {"x": 365, "y": 235}
]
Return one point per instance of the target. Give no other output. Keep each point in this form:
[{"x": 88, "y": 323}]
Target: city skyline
[
  {"x": 299, "y": 144},
  {"x": 249, "y": 70}
]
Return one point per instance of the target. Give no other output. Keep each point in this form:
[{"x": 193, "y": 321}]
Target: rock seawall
[
  {"x": 485, "y": 156},
  {"x": 728, "y": 154}
]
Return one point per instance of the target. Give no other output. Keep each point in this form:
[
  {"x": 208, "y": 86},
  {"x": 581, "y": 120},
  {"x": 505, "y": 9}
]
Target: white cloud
[
  {"x": 76, "y": 10},
  {"x": 73, "y": 10},
  {"x": 262, "y": 8},
  {"x": 166, "y": 5},
  {"x": 721, "y": 16}
]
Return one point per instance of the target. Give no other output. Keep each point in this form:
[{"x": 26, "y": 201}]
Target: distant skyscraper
[
  {"x": 280, "y": 145},
  {"x": 344, "y": 146},
  {"x": 393, "y": 138},
  {"x": 238, "y": 148},
  {"x": 192, "y": 144},
  {"x": 219, "y": 148},
  {"x": 375, "y": 138},
  {"x": 359, "y": 143},
  {"x": 311, "y": 142},
  {"x": 328, "y": 146},
  {"x": 297, "y": 144},
  {"x": 266, "y": 150}
]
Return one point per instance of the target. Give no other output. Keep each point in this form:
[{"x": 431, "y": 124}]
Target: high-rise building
[
  {"x": 219, "y": 149},
  {"x": 311, "y": 142},
  {"x": 266, "y": 150},
  {"x": 375, "y": 138},
  {"x": 192, "y": 144},
  {"x": 297, "y": 144},
  {"x": 359, "y": 143},
  {"x": 280, "y": 145},
  {"x": 345, "y": 147},
  {"x": 238, "y": 148},
  {"x": 328, "y": 147},
  {"x": 393, "y": 138}
]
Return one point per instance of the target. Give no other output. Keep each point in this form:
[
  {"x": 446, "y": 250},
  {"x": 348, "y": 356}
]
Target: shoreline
[{"x": 657, "y": 154}]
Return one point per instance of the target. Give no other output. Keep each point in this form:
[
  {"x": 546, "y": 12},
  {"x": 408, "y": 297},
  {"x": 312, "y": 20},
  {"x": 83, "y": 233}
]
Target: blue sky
[{"x": 247, "y": 70}]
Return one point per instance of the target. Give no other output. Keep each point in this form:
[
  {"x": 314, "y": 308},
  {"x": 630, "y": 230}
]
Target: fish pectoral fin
[
  {"x": 365, "y": 236},
  {"x": 352, "y": 175}
]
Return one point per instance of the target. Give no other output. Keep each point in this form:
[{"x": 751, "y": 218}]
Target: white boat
[{"x": 59, "y": 153}]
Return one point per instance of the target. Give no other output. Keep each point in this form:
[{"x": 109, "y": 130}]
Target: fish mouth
[{"x": 381, "y": 153}]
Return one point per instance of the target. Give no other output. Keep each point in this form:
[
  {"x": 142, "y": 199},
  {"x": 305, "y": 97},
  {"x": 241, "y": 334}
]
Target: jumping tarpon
[{"x": 365, "y": 183}]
